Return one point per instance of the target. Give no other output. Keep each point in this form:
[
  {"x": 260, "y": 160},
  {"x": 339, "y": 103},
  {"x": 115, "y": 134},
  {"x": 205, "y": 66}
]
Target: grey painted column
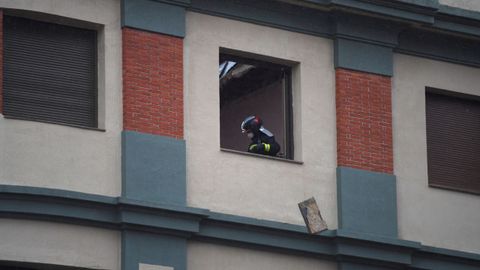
[
  {"x": 367, "y": 201},
  {"x": 153, "y": 166}
]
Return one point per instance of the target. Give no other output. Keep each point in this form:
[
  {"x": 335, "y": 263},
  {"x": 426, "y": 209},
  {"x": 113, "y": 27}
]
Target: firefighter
[{"x": 263, "y": 141}]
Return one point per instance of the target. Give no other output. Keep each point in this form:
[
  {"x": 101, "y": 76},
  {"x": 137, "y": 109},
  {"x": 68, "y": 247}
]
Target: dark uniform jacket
[{"x": 264, "y": 143}]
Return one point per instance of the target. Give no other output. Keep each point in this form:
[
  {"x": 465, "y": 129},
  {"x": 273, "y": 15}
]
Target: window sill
[
  {"x": 454, "y": 189},
  {"x": 261, "y": 156},
  {"x": 54, "y": 123}
]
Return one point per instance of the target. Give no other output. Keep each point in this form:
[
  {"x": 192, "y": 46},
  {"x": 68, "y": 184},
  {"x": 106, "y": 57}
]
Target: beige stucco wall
[
  {"x": 205, "y": 256},
  {"x": 55, "y": 156},
  {"x": 245, "y": 185},
  {"x": 464, "y": 4},
  {"x": 59, "y": 244},
  {"x": 436, "y": 217}
]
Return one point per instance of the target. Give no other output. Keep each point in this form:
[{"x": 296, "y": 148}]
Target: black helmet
[{"x": 252, "y": 123}]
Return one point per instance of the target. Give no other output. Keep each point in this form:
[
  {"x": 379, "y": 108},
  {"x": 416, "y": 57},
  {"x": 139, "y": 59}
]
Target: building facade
[{"x": 120, "y": 141}]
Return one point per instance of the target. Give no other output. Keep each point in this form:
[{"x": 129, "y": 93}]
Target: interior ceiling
[{"x": 243, "y": 79}]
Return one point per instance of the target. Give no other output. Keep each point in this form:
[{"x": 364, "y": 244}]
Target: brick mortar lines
[
  {"x": 364, "y": 121},
  {"x": 152, "y": 83}
]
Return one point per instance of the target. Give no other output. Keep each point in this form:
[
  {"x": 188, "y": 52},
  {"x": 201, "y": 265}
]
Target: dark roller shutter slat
[
  {"x": 49, "y": 72},
  {"x": 74, "y": 89},
  {"x": 453, "y": 142}
]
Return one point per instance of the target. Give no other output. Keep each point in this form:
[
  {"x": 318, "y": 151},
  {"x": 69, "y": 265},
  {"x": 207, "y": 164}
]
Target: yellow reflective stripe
[
  {"x": 267, "y": 147},
  {"x": 253, "y": 146}
]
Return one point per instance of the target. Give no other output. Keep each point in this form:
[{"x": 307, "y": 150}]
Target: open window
[{"x": 249, "y": 86}]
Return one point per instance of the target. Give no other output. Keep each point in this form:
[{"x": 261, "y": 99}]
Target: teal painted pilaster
[
  {"x": 153, "y": 168},
  {"x": 358, "y": 266},
  {"x": 155, "y": 16},
  {"x": 364, "y": 44},
  {"x": 367, "y": 202},
  {"x": 366, "y": 57}
]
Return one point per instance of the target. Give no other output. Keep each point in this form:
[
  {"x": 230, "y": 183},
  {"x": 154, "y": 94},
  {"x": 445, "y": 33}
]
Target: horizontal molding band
[
  {"x": 398, "y": 24},
  {"x": 95, "y": 210},
  {"x": 269, "y": 13},
  {"x": 377, "y": 22},
  {"x": 418, "y": 12},
  {"x": 54, "y": 205},
  {"x": 399, "y": 10},
  {"x": 428, "y": 13}
]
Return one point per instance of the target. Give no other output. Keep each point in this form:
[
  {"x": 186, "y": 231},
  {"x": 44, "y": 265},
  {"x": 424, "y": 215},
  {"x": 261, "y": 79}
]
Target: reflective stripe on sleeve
[{"x": 267, "y": 147}]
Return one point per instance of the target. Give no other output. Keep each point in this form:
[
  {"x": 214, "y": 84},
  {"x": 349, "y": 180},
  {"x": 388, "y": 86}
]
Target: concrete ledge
[
  {"x": 95, "y": 210},
  {"x": 268, "y": 12},
  {"x": 150, "y": 225},
  {"x": 379, "y": 23}
]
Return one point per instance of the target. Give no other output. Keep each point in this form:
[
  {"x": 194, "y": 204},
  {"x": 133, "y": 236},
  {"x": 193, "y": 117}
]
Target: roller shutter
[
  {"x": 453, "y": 142},
  {"x": 50, "y": 72}
]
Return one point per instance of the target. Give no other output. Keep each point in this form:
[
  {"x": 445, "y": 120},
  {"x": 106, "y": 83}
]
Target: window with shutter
[
  {"x": 453, "y": 140},
  {"x": 50, "y": 72}
]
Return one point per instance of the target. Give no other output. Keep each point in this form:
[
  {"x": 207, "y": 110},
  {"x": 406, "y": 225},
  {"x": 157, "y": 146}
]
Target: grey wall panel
[
  {"x": 154, "y": 16},
  {"x": 365, "y": 57},
  {"x": 367, "y": 202},
  {"x": 153, "y": 249},
  {"x": 153, "y": 168}
]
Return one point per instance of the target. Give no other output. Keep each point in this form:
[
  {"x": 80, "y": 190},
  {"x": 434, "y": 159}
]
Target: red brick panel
[
  {"x": 364, "y": 121},
  {"x": 152, "y": 83}
]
